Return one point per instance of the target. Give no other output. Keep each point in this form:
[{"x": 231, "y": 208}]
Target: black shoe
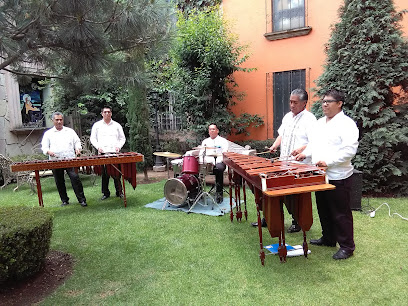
[
  {"x": 64, "y": 204},
  {"x": 120, "y": 195},
  {"x": 104, "y": 197},
  {"x": 263, "y": 223},
  {"x": 321, "y": 242},
  {"x": 342, "y": 254},
  {"x": 294, "y": 228},
  {"x": 83, "y": 204}
]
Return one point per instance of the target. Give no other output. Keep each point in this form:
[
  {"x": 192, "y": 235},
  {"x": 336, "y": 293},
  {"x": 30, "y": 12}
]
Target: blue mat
[{"x": 211, "y": 209}]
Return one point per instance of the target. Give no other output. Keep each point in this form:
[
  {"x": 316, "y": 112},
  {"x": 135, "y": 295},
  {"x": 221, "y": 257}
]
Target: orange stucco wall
[{"x": 248, "y": 21}]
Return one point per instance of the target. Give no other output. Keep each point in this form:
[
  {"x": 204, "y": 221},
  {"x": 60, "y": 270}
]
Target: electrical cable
[{"x": 372, "y": 213}]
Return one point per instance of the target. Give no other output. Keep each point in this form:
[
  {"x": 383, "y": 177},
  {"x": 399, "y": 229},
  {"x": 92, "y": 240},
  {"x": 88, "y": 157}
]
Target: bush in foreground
[{"x": 25, "y": 235}]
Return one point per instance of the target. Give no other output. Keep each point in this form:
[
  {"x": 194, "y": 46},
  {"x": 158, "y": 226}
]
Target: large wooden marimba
[
  {"x": 120, "y": 164},
  {"x": 271, "y": 181}
]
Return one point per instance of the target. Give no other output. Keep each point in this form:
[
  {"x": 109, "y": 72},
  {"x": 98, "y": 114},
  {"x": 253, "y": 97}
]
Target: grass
[{"x": 138, "y": 255}]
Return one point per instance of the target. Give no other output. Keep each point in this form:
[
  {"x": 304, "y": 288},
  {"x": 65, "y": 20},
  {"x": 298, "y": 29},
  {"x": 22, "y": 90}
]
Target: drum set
[{"x": 188, "y": 186}]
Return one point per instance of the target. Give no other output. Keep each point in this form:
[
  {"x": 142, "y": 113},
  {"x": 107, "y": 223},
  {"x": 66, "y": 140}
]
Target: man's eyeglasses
[
  {"x": 107, "y": 112},
  {"x": 327, "y": 101}
]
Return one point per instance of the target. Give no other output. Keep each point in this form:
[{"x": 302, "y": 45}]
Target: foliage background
[
  {"x": 204, "y": 57},
  {"x": 367, "y": 58}
]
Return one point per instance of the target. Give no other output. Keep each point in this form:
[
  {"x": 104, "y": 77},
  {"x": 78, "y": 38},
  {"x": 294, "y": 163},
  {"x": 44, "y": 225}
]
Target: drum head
[{"x": 175, "y": 191}]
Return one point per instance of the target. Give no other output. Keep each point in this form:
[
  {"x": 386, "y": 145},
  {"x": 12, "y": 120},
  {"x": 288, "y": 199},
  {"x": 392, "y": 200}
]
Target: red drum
[
  {"x": 177, "y": 190},
  {"x": 190, "y": 165}
]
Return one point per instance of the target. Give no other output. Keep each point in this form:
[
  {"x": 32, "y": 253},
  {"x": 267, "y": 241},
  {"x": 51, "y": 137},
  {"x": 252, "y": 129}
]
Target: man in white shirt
[
  {"x": 213, "y": 155},
  {"x": 294, "y": 135},
  {"x": 333, "y": 144},
  {"x": 62, "y": 142},
  {"x": 107, "y": 137}
]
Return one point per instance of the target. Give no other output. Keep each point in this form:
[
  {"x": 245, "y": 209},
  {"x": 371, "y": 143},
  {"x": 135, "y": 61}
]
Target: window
[
  {"x": 283, "y": 83},
  {"x": 288, "y": 14},
  {"x": 286, "y": 18}
]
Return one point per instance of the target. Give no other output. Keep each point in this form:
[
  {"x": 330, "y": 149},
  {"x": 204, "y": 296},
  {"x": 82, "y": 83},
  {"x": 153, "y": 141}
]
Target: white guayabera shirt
[
  {"x": 62, "y": 142},
  {"x": 335, "y": 142},
  {"x": 295, "y": 132},
  {"x": 219, "y": 143},
  {"x": 108, "y": 137}
]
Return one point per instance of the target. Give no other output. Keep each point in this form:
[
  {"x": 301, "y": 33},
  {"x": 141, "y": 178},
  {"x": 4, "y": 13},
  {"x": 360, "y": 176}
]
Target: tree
[
  {"x": 138, "y": 118},
  {"x": 188, "y": 6},
  {"x": 367, "y": 58},
  {"x": 71, "y": 38},
  {"x": 204, "y": 58},
  {"x": 93, "y": 48}
]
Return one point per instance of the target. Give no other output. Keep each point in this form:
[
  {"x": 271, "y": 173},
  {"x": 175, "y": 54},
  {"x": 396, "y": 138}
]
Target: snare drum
[
  {"x": 177, "y": 190},
  {"x": 190, "y": 165}
]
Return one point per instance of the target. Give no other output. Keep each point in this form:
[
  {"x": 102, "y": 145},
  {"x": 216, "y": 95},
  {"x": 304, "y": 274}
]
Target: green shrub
[
  {"x": 25, "y": 235},
  {"x": 176, "y": 145}
]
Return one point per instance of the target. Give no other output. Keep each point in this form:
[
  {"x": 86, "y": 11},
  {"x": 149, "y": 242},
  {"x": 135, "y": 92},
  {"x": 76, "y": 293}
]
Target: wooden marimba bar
[
  {"x": 120, "y": 164},
  {"x": 271, "y": 182}
]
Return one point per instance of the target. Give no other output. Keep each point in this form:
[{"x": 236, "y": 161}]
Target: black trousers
[
  {"x": 75, "y": 182},
  {"x": 105, "y": 183},
  {"x": 218, "y": 170},
  {"x": 290, "y": 203},
  {"x": 335, "y": 214}
]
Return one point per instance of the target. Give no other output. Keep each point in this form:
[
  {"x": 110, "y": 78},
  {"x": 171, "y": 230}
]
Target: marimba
[
  {"x": 120, "y": 164},
  {"x": 271, "y": 181}
]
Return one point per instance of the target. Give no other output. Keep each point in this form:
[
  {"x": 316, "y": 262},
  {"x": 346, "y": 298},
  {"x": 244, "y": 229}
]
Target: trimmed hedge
[{"x": 25, "y": 235}]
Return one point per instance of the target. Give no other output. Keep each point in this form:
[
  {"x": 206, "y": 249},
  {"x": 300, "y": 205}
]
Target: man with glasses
[
  {"x": 294, "y": 134},
  {"x": 107, "y": 137},
  {"x": 333, "y": 144}
]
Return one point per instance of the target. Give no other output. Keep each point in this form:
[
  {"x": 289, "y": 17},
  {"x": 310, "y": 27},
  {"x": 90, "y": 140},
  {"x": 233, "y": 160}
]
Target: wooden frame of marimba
[
  {"x": 124, "y": 161},
  {"x": 271, "y": 182}
]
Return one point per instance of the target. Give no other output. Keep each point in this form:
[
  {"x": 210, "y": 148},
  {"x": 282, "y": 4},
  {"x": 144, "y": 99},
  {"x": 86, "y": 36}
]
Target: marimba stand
[
  {"x": 270, "y": 182},
  {"x": 123, "y": 159}
]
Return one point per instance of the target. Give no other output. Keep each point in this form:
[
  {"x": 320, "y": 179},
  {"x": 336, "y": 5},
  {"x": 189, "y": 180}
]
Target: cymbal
[
  {"x": 203, "y": 148},
  {"x": 167, "y": 154}
]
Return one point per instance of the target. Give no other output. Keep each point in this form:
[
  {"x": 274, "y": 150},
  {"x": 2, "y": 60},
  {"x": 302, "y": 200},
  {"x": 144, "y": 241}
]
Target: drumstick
[{"x": 263, "y": 152}]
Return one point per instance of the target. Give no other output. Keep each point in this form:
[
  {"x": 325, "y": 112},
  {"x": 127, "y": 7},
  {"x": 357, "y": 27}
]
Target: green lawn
[{"x": 138, "y": 255}]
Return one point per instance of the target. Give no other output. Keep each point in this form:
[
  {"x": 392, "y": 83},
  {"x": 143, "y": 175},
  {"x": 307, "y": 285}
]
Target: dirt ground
[{"x": 58, "y": 266}]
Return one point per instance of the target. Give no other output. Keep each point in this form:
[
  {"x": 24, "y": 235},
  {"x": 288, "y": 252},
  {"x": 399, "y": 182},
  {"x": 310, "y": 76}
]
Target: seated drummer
[{"x": 213, "y": 155}]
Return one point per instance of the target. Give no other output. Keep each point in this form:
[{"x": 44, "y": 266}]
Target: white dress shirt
[
  {"x": 334, "y": 142},
  {"x": 221, "y": 145},
  {"x": 107, "y": 136},
  {"x": 295, "y": 132},
  {"x": 62, "y": 142}
]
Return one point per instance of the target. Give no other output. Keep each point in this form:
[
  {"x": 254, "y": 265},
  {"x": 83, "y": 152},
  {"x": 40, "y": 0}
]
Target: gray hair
[
  {"x": 56, "y": 114},
  {"x": 301, "y": 93}
]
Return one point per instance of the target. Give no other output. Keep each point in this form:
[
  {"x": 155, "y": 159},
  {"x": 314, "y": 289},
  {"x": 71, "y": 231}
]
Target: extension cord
[{"x": 372, "y": 213}]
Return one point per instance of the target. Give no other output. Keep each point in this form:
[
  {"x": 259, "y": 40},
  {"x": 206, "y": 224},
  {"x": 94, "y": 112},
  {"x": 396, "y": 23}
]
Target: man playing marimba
[
  {"x": 294, "y": 135},
  {"x": 62, "y": 142},
  {"x": 107, "y": 137},
  {"x": 333, "y": 144}
]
